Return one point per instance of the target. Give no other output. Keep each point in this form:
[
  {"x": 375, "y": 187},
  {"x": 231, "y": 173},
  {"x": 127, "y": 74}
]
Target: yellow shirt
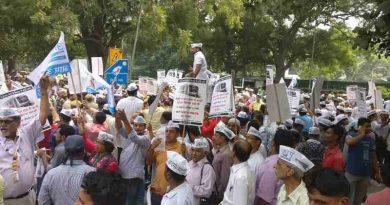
[
  {"x": 155, "y": 118},
  {"x": 160, "y": 157},
  {"x": 1, "y": 190},
  {"x": 257, "y": 105}
]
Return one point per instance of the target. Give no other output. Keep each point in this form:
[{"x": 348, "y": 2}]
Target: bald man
[{"x": 240, "y": 189}]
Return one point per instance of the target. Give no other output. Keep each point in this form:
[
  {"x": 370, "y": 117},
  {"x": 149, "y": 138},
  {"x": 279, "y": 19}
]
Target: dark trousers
[
  {"x": 133, "y": 186},
  {"x": 155, "y": 198}
]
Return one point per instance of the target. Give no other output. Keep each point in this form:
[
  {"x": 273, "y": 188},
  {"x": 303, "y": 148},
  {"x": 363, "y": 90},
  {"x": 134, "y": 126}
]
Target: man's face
[
  {"x": 330, "y": 135},
  {"x": 9, "y": 126},
  {"x": 84, "y": 198},
  {"x": 171, "y": 134},
  {"x": 233, "y": 127},
  {"x": 139, "y": 128},
  {"x": 316, "y": 198},
  {"x": 282, "y": 169},
  {"x": 254, "y": 141},
  {"x": 197, "y": 154},
  {"x": 367, "y": 128},
  {"x": 194, "y": 50},
  {"x": 218, "y": 139}
]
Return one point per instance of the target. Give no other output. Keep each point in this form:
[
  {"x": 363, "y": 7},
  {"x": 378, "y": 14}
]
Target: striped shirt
[
  {"x": 62, "y": 184},
  {"x": 132, "y": 159}
]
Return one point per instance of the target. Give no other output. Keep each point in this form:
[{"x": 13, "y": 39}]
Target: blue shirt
[
  {"x": 308, "y": 123},
  {"x": 360, "y": 157}
]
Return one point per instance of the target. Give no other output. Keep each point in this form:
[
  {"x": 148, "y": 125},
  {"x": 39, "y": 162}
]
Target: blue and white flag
[{"x": 57, "y": 62}]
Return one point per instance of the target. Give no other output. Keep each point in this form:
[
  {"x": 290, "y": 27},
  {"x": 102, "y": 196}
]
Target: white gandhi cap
[
  {"x": 196, "y": 45},
  {"x": 295, "y": 158},
  {"x": 177, "y": 163}
]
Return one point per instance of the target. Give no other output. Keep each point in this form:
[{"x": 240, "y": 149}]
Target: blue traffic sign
[{"x": 118, "y": 72}]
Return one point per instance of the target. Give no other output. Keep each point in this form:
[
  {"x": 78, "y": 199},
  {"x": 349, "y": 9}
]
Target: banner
[
  {"x": 57, "y": 62},
  {"x": 293, "y": 95},
  {"x": 222, "y": 99},
  {"x": 277, "y": 103},
  {"x": 361, "y": 102},
  {"x": 160, "y": 76},
  {"x": 97, "y": 66},
  {"x": 84, "y": 81},
  {"x": 316, "y": 93},
  {"x": 190, "y": 100},
  {"x": 2, "y": 76},
  {"x": 269, "y": 75},
  {"x": 114, "y": 54},
  {"x": 351, "y": 92},
  {"x": 24, "y": 100}
]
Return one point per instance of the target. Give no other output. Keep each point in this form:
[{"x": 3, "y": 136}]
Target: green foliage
[{"x": 385, "y": 92}]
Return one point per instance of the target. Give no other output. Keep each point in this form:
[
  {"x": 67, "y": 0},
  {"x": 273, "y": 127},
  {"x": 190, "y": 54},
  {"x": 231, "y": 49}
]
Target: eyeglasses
[{"x": 6, "y": 122}]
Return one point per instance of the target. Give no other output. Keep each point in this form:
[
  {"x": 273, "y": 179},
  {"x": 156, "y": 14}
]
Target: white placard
[
  {"x": 160, "y": 76},
  {"x": 151, "y": 86},
  {"x": 277, "y": 103},
  {"x": 172, "y": 77},
  {"x": 222, "y": 98},
  {"x": 378, "y": 100},
  {"x": 190, "y": 99},
  {"x": 97, "y": 66},
  {"x": 24, "y": 100},
  {"x": 316, "y": 93},
  {"x": 371, "y": 88},
  {"x": 361, "y": 102},
  {"x": 143, "y": 85},
  {"x": 293, "y": 95},
  {"x": 2, "y": 76},
  {"x": 269, "y": 78},
  {"x": 351, "y": 92}
]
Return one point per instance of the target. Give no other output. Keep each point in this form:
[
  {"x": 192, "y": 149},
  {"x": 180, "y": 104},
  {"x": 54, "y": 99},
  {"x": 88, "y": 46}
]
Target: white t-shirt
[
  {"x": 181, "y": 195},
  {"x": 130, "y": 105},
  {"x": 199, "y": 59}
]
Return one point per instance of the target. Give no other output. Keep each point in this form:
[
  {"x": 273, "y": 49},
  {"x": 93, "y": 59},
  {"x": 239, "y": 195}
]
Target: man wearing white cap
[
  {"x": 159, "y": 158},
  {"x": 132, "y": 159},
  {"x": 240, "y": 189},
  {"x": 129, "y": 105},
  {"x": 290, "y": 168},
  {"x": 256, "y": 158},
  {"x": 222, "y": 157},
  {"x": 201, "y": 175},
  {"x": 17, "y": 150},
  {"x": 179, "y": 191},
  {"x": 200, "y": 65}
]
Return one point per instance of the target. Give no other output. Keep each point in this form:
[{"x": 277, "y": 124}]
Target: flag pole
[{"x": 81, "y": 90}]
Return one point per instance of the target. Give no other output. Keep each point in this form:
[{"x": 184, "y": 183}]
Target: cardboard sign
[
  {"x": 361, "y": 102},
  {"x": 371, "y": 88},
  {"x": 143, "y": 85},
  {"x": 190, "y": 99},
  {"x": 222, "y": 98},
  {"x": 351, "y": 92},
  {"x": 24, "y": 100},
  {"x": 160, "y": 76},
  {"x": 172, "y": 77},
  {"x": 277, "y": 103},
  {"x": 97, "y": 66},
  {"x": 269, "y": 77},
  {"x": 293, "y": 95},
  {"x": 151, "y": 87},
  {"x": 316, "y": 93},
  {"x": 114, "y": 54}
]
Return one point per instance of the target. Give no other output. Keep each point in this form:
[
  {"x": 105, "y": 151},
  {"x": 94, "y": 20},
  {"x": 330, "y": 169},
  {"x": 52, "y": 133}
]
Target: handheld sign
[
  {"x": 269, "y": 79},
  {"x": 222, "y": 98},
  {"x": 277, "y": 103},
  {"x": 190, "y": 100},
  {"x": 316, "y": 93}
]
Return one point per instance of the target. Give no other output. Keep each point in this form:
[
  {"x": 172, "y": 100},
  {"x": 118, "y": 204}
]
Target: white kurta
[
  {"x": 255, "y": 160},
  {"x": 199, "y": 59},
  {"x": 241, "y": 187},
  {"x": 181, "y": 195}
]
